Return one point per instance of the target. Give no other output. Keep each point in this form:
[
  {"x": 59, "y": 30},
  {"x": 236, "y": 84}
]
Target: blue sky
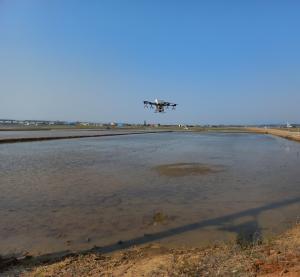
[{"x": 223, "y": 62}]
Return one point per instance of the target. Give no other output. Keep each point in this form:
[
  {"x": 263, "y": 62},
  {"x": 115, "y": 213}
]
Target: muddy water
[{"x": 181, "y": 189}]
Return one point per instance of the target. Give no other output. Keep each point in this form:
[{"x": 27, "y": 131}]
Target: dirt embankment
[
  {"x": 280, "y": 133},
  {"x": 46, "y": 138},
  {"x": 280, "y": 257}
]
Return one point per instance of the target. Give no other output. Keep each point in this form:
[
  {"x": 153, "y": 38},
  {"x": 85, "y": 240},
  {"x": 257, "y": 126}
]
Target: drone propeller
[{"x": 159, "y": 105}]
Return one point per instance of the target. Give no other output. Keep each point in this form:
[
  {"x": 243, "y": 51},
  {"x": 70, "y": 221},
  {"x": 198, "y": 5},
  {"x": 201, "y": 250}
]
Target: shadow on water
[{"x": 247, "y": 233}]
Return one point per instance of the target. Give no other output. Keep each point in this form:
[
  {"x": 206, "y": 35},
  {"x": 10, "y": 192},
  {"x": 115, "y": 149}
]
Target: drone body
[{"x": 160, "y": 105}]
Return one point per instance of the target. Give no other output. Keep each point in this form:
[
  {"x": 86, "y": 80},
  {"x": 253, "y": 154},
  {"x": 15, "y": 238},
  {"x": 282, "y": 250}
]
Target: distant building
[{"x": 84, "y": 123}]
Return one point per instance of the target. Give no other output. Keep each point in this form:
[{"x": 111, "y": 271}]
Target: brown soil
[
  {"x": 185, "y": 169},
  {"x": 280, "y": 133},
  {"x": 281, "y": 257}
]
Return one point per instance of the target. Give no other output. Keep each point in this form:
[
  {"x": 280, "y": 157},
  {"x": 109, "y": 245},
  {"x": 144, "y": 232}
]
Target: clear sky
[{"x": 221, "y": 61}]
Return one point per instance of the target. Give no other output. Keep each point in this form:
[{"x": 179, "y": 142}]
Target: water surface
[{"x": 76, "y": 194}]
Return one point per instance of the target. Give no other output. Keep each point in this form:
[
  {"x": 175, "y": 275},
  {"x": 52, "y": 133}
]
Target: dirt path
[
  {"x": 280, "y": 133},
  {"x": 46, "y": 138}
]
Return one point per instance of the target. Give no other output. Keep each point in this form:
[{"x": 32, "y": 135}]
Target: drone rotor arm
[{"x": 159, "y": 106}]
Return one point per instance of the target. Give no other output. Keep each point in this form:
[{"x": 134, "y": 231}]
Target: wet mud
[{"x": 186, "y": 169}]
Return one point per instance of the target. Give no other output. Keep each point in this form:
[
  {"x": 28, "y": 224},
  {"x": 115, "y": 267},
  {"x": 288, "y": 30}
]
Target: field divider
[{"x": 32, "y": 139}]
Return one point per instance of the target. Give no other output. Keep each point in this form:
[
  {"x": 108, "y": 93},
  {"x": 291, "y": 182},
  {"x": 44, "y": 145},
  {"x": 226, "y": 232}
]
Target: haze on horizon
[{"x": 223, "y": 62}]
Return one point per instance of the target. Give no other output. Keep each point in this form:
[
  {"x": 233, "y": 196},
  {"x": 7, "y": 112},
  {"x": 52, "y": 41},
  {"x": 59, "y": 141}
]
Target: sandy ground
[{"x": 279, "y": 257}]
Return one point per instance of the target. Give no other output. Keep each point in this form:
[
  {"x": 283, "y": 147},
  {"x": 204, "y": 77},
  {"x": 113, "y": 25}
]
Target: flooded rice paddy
[{"x": 180, "y": 189}]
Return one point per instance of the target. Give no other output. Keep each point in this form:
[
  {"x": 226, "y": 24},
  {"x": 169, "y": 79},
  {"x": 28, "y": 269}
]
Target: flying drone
[{"x": 159, "y": 105}]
